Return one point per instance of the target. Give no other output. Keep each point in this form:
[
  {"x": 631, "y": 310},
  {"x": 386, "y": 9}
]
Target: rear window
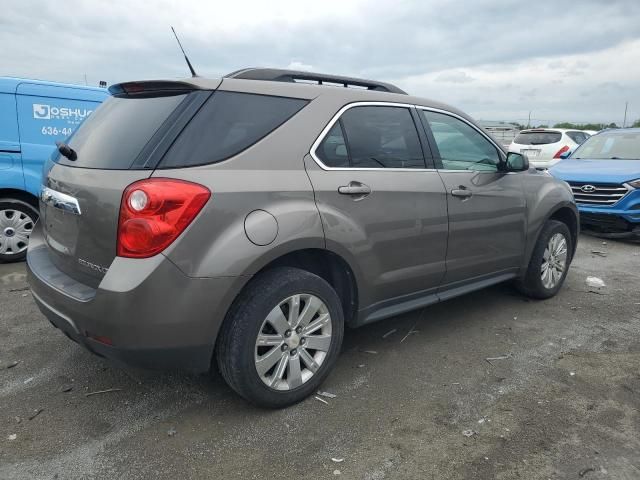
[
  {"x": 537, "y": 138},
  {"x": 577, "y": 137},
  {"x": 113, "y": 136},
  {"x": 227, "y": 124}
]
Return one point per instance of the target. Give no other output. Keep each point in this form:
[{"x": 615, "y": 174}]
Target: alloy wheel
[
  {"x": 554, "y": 261},
  {"x": 293, "y": 342}
]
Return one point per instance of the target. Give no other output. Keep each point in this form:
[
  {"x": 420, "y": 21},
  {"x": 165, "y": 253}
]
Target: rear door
[
  {"x": 379, "y": 201},
  {"x": 81, "y": 202},
  {"x": 10, "y": 163},
  {"x": 487, "y": 221},
  {"x": 47, "y": 113}
]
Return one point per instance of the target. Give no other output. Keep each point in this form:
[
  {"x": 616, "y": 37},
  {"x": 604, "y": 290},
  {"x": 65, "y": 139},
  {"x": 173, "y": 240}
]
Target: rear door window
[
  {"x": 227, "y": 124},
  {"x": 112, "y": 137},
  {"x": 373, "y": 137},
  {"x": 538, "y": 138}
]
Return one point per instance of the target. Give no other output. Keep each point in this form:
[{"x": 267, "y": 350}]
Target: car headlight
[{"x": 635, "y": 183}]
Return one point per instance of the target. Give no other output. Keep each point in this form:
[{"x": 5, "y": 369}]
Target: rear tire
[
  {"x": 549, "y": 262},
  {"x": 281, "y": 338},
  {"x": 17, "y": 219}
]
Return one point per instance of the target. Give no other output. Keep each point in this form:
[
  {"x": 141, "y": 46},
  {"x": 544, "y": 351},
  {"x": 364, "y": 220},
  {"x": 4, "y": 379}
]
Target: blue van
[{"x": 34, "y": 114}]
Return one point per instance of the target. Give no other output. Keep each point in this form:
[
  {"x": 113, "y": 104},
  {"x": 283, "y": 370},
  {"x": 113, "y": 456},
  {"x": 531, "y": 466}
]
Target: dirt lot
[{"x": 563, "y": 404}]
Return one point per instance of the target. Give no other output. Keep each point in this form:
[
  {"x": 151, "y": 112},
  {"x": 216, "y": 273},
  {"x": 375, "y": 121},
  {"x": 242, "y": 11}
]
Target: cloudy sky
[{"x": 497, "y": 60}]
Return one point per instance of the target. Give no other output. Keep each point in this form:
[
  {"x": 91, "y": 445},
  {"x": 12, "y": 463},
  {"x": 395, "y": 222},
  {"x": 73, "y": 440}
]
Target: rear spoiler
[{"x": 153, "y": 87}]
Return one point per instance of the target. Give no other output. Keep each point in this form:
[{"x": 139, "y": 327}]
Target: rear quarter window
[
  {"x": 537, "y": 138},
  {"x": 227, "y": 124}
]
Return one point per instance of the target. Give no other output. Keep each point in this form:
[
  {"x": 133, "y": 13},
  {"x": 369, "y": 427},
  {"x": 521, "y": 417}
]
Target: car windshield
[{"x": 613, "y": 146}]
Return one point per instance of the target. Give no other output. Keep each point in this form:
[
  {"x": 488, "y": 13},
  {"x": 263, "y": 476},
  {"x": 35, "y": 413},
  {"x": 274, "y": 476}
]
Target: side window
[
  {"x": 382, "y": 137},
  {"x": 227, "y": 124},
  {"x": 577, "y": 137},
  {"x": 461, "y": 146},
  {"x": 333, "y": 149}
]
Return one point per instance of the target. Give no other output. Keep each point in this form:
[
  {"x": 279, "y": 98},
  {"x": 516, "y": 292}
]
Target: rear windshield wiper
[{"x": 67, "y": 151}]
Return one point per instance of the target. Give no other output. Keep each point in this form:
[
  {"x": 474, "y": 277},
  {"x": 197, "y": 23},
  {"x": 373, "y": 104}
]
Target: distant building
[{"x": 503, "y": 132}]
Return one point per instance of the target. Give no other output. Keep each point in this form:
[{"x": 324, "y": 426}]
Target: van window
[
  {"x": 112, "y": 137},
  {"x": 227, "y": 124}
]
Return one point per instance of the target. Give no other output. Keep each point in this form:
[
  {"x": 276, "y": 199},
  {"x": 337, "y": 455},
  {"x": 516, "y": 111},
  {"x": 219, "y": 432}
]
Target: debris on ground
[
  {"x": 600, "y": 253},
  {"x": 36, "y": 412},
  {"x": 336, "y": 472},
  {"x": 321, "y": 400},
  {"x": 468, "y": 433},
  {"x": 595, "y": 282},
  {"x": 583, "y": 472},
  {"x": 362, "y": 365},
  {"x": 573, "y": 374},
  {"x": 171, "y": 432},
  {"x": 337, "y": 460},
  {"x": 66, "y": 388},
  {"x": 327, "y": 394},
  {"x": 13, "y": 436},
  {"x": 390, "y": 332},
  {"x": 372, "y": 352},
  {"x": 28, "y": 380},
  {"x": 13, "y": 364},
  {"x": 500, "y": 357},
  {"x": 17, "y": 419},
  {"x": 412, "y": 330},
  {"x": 103, "y": 391},
  {"x": 22, "y": 289}
]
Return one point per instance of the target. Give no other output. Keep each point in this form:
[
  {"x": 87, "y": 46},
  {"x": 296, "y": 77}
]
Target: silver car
[{"x": 246, "y": 221}]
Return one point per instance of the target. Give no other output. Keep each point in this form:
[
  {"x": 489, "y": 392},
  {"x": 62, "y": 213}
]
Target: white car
[{"x": 544, "y": 146}]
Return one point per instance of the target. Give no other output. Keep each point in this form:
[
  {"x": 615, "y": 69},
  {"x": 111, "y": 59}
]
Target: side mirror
[{"x": 517, "y": 162}]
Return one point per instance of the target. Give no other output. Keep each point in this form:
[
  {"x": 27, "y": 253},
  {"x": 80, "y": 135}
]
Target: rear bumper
[{"x": 144, "y": 312}]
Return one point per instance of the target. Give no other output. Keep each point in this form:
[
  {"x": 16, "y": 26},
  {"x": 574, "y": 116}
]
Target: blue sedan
[{"x": 604, "y": 175}]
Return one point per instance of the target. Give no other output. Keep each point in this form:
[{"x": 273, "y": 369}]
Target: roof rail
[{"x": 279, "y": 75}]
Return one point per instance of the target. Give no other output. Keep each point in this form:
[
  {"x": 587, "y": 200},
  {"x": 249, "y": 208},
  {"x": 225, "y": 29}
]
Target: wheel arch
[{"x": 21, "y": 195}]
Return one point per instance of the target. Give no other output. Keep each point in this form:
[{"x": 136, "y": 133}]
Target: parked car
[
  {"x": 33, "y": 115},
  {"x": 246, "y": 221},
  {"x": 604, "y": 174},
  {"x": 544, "y": 147}
]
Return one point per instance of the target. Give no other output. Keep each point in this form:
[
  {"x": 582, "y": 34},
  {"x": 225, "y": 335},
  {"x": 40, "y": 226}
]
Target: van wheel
[
  {"x": 281, "y": 337},
  {"x": 549, "y": 262},
  {"x": 17, "y": 219}
]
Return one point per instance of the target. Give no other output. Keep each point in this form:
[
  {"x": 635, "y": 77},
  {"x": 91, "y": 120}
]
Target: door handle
[
  {"x": 462, "y": 192},
  {"x": 355, "y": 188}
]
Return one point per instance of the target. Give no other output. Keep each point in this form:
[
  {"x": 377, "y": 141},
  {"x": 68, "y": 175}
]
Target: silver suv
[{"x": 245, "y": 221}]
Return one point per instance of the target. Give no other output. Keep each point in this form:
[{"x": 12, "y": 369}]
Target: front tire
[
  {"x": 549, "y": 262},
  {"x": 17, "y": 220},
  {"x": 281, "y": 338}
]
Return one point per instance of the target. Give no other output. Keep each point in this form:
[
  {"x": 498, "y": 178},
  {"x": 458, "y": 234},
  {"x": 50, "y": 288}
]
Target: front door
[
  {"x": 380, "y": 206},
  {"x": 487, "y": 221}
]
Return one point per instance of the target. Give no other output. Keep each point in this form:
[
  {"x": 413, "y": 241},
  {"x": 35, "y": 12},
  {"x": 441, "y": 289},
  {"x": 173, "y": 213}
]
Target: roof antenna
[{"x": 193, "y": 72}]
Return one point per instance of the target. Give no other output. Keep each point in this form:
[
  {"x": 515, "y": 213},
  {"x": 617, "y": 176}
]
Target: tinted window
[
  {"x": 227, "y": 124},
  {"x": 577, "y": 137},
  {"x": 382, "y": 137},
  {"x": 333, "y": 149},
  {"x": 538, "y": 138},
  {"x": 113, "y": 136},
  {"x": 461, "y": 146},
  {"x": 615, "y": 146}
]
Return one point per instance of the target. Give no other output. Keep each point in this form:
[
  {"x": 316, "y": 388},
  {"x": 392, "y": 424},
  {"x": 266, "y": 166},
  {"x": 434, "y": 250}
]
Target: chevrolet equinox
[{"x": 245, "y": 221}]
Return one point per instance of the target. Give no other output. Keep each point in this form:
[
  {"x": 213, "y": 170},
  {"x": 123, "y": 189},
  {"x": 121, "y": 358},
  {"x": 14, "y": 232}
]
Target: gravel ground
[{"x": 561, "y": 400}]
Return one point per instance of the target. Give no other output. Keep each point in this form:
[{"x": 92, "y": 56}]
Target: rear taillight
[
  {"x": 154, "y": 212},
  {"x": 561, "y": 151}
]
